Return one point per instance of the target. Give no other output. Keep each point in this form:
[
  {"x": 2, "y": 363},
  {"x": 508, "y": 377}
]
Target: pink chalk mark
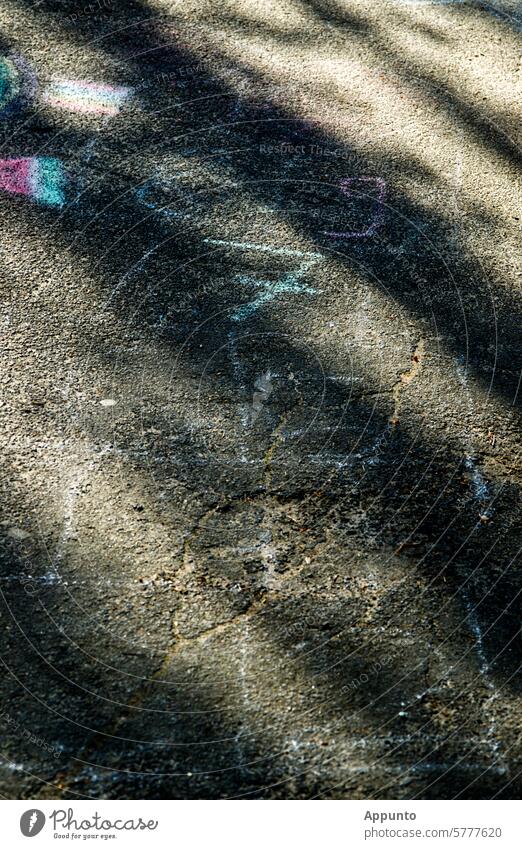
[
  {"x": 378, "y": 215},
  {"x": 99, "y": 88},
  {"x": 86, "y": 97},
  {"x": 15, "y": 176},
  {"x": 84, "y": 107}
]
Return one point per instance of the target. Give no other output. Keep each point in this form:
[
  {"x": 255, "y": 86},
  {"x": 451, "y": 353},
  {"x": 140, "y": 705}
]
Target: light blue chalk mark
[
  {"x": 76, "y": 88},
  {"x": 288, "y": 284},
  {"x": 504, "y": 12},
  {"x": 131, "y": 273},
  {"x": 47, "y": 181},
  {"x": 269, "y": 249},
  {"x": 9, "y": 87},
  {"x": 162, "y": 210}
]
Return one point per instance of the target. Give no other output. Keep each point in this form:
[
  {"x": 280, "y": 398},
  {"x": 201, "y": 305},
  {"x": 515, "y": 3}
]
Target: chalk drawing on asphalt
[
  {"x": 288, "y": 283},
  {"x": 40, "y": 178},
  {"x": 17, "y": 83},
  {"x": 270, "y": 249},
  {"x": 85, "y": 97}
]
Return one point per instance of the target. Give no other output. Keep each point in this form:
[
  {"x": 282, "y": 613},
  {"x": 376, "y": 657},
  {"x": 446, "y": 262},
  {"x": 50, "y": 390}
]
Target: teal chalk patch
[
  {"x": 48, "y": 181},
  {"x": 288, "y": 284},
  {"x": 9, "y": 85}
]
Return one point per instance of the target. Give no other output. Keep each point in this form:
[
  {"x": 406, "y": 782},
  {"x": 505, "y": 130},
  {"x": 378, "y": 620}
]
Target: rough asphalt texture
[{"x": 260, "y": 435}]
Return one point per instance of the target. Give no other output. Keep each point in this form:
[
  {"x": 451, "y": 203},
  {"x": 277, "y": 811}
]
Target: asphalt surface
[{"x": 260, "y": 275}]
